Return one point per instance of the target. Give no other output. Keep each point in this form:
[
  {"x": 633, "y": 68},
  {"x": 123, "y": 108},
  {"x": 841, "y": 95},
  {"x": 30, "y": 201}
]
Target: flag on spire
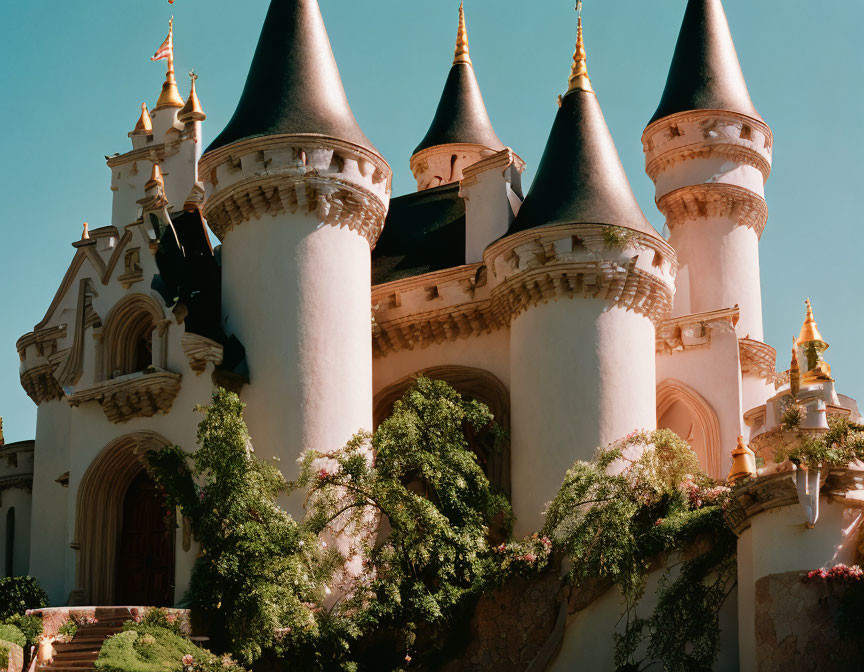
[{"x": 167, "y": 48}]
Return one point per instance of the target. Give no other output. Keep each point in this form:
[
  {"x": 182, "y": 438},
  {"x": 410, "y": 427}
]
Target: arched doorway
[
  {"x": 112, "y": 482},
  {"x": 145, "y": 555},
  {"x": 683, "y": 410}
]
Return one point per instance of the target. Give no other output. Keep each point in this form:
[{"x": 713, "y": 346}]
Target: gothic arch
[
  {"x": 674, "y": 396},
  {"x": 98, "y": 517},
  {"x": 469, "y": 382},
  {"x": 135, "y": 319}
]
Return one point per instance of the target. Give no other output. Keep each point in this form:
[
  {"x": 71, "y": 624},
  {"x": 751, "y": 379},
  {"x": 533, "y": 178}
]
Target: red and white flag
[{"x": 167, "y": 48}]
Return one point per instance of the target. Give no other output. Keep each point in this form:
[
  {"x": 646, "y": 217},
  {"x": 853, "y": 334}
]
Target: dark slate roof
[
  {"x": 424, "y": 232},
  {"x": 580, "y": 179},
  {"x": 705, "y": 72},
  {"x": 293, "y": 85},
  {"x": 461, "y": 116}
]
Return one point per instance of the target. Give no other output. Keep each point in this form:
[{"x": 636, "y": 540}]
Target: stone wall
[{"x": 796, "y": 626}]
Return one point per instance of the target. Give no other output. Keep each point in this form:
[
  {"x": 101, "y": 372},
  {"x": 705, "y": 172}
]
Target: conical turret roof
[
  {"x": 293, "y": 84},
  {"x": 580, "y": 179},
  {"x": 461, "y": 116},
  {"x": 705, "y": 72}
]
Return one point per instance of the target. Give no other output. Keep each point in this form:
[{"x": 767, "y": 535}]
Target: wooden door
[{"x": 145, "y": 558}]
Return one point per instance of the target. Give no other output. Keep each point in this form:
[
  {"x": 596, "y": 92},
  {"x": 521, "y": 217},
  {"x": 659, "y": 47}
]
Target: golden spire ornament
[
  {"x": 743, "y": 462},
  {"x": 809, "y": 330},
  {"x": 170, "y": 96},
  {"x": 85, "y": 234},
  {"x": 145, "y": 124},
  {"x": 192, "y": 110},
  {"x": 155, "y": 178},
  {"x": 462, "y": 53},
  {"x": 795, "y": 372},
  {"x": 579, "y": 80}
]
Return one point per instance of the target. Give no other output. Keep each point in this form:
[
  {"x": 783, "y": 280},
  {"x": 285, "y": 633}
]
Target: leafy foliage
[
  {"x": 841, "y": 444},
  {"x": 437, "y": 504},
  {"x": 9, "y": 633},
  {"x": 258, "y": 569},
  {"x": 20, "y": 593},
  {"x": 640, "y": 497},
  {"x": 146, "y": 648}
]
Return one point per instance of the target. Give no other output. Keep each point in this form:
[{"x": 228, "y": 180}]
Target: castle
[{"x": 562, "y": 309}]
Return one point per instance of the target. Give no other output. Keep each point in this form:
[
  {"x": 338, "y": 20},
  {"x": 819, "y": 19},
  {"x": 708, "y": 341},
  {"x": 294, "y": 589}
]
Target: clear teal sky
[{"x": 74, "y": 73}]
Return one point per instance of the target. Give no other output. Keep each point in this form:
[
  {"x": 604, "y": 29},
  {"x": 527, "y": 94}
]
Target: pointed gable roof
[
  {"x": 461, "y": 116},
  {"x": 293, "y": 84},
  {"x": 705, "y": 73},
  {"x": 580, "y": 179}
]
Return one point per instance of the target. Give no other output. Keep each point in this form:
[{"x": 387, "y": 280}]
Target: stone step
[{"x": 66, "y": 668}]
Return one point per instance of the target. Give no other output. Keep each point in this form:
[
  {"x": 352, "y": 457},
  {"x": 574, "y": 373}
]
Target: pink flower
[
  {"x": 323, "y": 475},
  {"x": 188, "y": 659}
]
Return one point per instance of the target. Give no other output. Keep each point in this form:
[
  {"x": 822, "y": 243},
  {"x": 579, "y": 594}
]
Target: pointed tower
[
  {"x": 583, "y": 278},
  {"x": 709, "y": 154},
  {"x": 461, "y": 133},
  {"x": 297, "y": 194}
]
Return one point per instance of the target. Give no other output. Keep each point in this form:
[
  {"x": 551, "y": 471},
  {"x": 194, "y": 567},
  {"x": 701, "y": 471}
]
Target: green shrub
[
  {"x": 9, "y": 633},
  {"x": 69, "y": 629},
  {"x": 147, "y": 648},
  {"x": 30, "y": 626},
  {"x": 20, "y": 593}
]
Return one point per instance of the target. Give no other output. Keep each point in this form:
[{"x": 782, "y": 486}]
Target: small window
[{"x": 746, "y": 132}]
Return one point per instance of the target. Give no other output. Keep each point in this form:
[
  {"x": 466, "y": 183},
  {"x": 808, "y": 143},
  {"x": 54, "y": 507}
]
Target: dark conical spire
[
  {"x": 293, "y": 85},
  {"x": 461, "y": 116},
  {"x": 580, "y": 179},
  {"x": 705, "y": 72}
]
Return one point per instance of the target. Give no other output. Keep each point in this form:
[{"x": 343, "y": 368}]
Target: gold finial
[
  {"x": 743, "y": 462},
  {"x": 795, "y": 371},
  {"x": 145, "y": 124},
  {"x": 462, "y": 53},
  {"x": 170, "y": 96},
  {"x": 579, "y": 80},
  {"x": 155, "y": 178},
  {"x": 192, "y": 110},
  {"x": 85, "y": 234},
  {"x": 809, "y": 331}
]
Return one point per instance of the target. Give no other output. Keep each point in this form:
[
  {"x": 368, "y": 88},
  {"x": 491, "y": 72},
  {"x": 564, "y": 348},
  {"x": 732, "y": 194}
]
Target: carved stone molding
[
  {"x": 200, "y": 351},
  {"x": 625, "y": 267},
  {"x": 757, "y": 358},
  {"x": 40, "y": 385},
  {"x": 701, "y": 201},
  {"x": 135, "y": 396},
  {"x": 739, "y": 154},
  {"x": 344, "y": 184},
  {"x": 420, "y": 331},
  {"x": 688, "y": 332}
]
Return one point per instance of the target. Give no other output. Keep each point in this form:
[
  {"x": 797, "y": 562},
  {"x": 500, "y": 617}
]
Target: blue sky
[{"x": 74, "y": 74}]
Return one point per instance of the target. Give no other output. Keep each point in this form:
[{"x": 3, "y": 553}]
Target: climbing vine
[
  {"x": 639, "y": 498},
  {"x": 841, "y": 444}
]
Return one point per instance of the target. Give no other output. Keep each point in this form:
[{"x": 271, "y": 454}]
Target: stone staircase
[{"x": 79, "y": 655}]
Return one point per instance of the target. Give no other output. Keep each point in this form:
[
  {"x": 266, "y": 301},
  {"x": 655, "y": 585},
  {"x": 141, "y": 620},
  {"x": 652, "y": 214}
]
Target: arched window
[
  {"x": 682, "y": 410},
  {"x": 130, "y": 336},
  {"x": 10, "y": 541}
]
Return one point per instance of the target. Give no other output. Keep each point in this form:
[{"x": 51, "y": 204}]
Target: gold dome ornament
[
  {"x": 813, "y": 346},
  {"x": 144, "y": 126},
  {"x": 743, "y": 462},
  {"x": 192, "y": 110},
  {"x": 809, "y": 330},
  {"x": 170, "y": 96}
]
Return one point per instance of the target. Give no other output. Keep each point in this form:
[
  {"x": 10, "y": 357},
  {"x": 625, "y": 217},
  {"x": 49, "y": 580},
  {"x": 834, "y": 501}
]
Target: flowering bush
[
  {"x": 839, "y": 573},
  {"x": 841, "y": 444},
  {"x": 526, "y": 557}
]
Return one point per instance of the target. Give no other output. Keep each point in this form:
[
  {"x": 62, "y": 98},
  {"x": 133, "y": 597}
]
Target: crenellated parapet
[
  {"x": 624, "y": 267},
  {"x": 345, "y": 184}
]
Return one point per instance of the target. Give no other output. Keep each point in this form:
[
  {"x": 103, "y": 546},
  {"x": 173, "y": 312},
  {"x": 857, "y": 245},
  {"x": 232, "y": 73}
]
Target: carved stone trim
[
  {"x": 40, "y": 385},
  {"x": 700, "y": 201},
  {"x": 671, "y": 391},
  {"x": 740, "y": 154},
  {"x": 665, "y": 125},
  {"x": 200, "y": 351},
  {"x": 45, "y": 340},
  {"x": 757, "y": 358},
  {"x": 422, "y": 330},
  {"x": 688, "y": 332},
  {"x": 135, "y": 396},
  {"x": 336, "y": 202}
]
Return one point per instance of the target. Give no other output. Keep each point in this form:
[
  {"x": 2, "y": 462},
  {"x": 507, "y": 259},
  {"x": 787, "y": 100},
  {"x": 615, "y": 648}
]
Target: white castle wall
[{"x": 582, "y": 376}]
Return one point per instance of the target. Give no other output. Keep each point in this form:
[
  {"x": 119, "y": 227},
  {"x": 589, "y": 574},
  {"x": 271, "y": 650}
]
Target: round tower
[
  {"x": 461, "y": 133},
  {"x": 709, "y": 154},
  {"x": 297, "y": 195},
  {"x": 582, "y": 278}
]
